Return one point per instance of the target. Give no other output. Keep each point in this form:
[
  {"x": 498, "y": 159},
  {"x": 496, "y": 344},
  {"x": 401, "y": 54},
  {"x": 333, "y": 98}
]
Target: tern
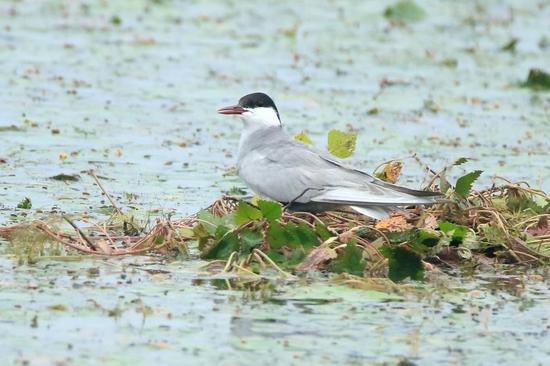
[{"x": 276, "y": 166}]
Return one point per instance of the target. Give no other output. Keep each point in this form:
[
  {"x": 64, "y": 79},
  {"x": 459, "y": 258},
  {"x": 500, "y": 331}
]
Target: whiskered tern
[{"x": 278, "y": 167}]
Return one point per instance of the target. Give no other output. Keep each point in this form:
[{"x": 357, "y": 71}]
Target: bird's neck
[{"x": 251, "y": 133}]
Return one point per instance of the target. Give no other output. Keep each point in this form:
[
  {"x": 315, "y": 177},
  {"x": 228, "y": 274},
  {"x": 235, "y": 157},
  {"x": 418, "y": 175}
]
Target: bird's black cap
[{"x": 256, "y": 100}]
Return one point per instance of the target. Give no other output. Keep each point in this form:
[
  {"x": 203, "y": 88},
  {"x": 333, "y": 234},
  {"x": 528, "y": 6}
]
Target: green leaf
[
  {"x": 291, "y": 235},
  {"x": 350, "y": 261},
  {"x": 276, "y": 236},
  {"x": 294, "y": 258},
  {"x": 493, "y": 233},
  {"x": 421, "y": 240},
  {"x": 301, "y": 235},
  {"x": 537, "y": 80},
  {"x": 403, "y": 263},
  {"x": 521, "y": 202},
  {"x": 456, "y": 232},
  {"x": 397, "y": 237},
  {"x": 323, "y": 232},
  {"x": 228, "y": 243},
  {"x": 226, "y": 220},
  {"x": 25, "y": 204},
  {"x": 425, "y": 238},
  {"x": 271, "y": 210},
  {"x": 246, "y": 213},
  {"x": 250, "y": 239},
  {"x": 464, "y": 183},
  {"x": 405, "y": 11},
  {"x": 303, "y": 138},
  {"x": 460, "y": 161},
  {"x": 341, "y": 144}
]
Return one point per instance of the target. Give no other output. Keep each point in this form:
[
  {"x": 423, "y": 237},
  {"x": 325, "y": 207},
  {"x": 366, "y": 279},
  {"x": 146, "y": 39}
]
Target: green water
[{"x": 132, "y": 87}]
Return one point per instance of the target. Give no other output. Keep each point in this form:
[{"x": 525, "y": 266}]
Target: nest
[{"x": 524, "y": 234}]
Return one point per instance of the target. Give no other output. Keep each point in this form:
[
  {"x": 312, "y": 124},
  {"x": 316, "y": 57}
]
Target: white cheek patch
[{"x": 263, "y": 116}]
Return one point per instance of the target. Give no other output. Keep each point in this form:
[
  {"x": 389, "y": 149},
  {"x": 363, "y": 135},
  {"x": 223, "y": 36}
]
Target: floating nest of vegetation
[{"x": 506, "y": 224}]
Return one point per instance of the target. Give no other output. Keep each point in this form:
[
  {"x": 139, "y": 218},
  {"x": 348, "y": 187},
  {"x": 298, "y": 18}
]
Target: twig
[
  {"x": 92, "y": 173},
  {"x": 81, "y": 233}
]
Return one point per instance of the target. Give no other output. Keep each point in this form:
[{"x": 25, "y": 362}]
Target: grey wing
[
  {"x": 292, "y": 171},
  {"x": 286, "y": 171}
]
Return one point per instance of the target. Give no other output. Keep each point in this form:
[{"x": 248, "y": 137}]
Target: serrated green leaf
[
  {"x": 405, "y": 11},
  {"x": 303, "y": 138},
  {"x": 246, "y": 213},
  {"x": 291, "y": 235},
  {"x": 341, "y": 144},
  {"x": 493, "y": 233},
  {"x": 276, "y": 236},
  {"x": 350, "y": 261},
  {"x": 464, "y": 183},
  {"x": 403, "y": 263},
  {"x": 271, "y": 210},
  {"x": 301, "y": 235}
]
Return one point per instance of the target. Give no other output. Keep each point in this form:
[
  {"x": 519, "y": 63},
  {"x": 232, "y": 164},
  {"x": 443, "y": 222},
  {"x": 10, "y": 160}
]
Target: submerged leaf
[
  {"x": 246, "y": 213},
  {"x": 403, "y": 263},
  {"x": 405, "y": 11},
  {"x": 66, "y": 177},
  {"x": 271, "y": 210},
  {"x": 350, "y": 261},
  {"x": 464, "y": 183},
  {"x": 538, "y": 80},
  {"x": 303, "y": 138},
  {"x": 341, "y": 144}
]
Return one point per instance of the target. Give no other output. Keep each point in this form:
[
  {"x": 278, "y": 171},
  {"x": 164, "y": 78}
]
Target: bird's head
[{"x": 255, "y": 109}]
